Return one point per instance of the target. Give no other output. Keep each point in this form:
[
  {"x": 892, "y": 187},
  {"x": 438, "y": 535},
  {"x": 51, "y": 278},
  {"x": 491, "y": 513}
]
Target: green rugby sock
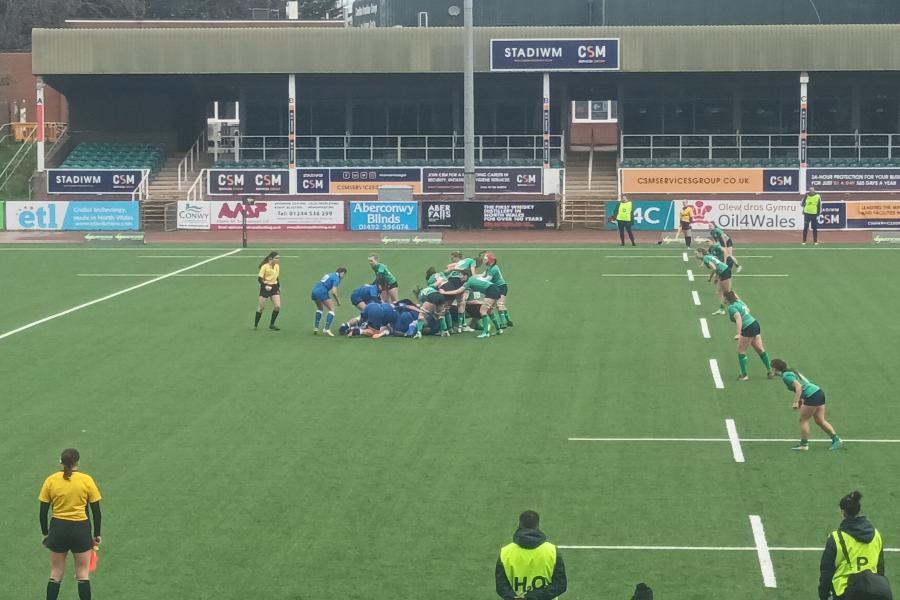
[
  {"x": 764, "y": 356},
  {"x": 419, "y": 325},
  {"x": 742, "y": 359},
  {"x": 495, "y": 321},
  {"x": 485, "y": 324}
]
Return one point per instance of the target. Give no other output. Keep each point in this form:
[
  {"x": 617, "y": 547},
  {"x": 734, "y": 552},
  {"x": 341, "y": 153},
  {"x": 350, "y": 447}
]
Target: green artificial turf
[{"x": 253, "y": 464}]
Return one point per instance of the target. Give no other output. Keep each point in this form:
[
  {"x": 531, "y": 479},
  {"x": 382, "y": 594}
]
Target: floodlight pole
[
  {"x": 803, "y": 146},
  {"x": 469, "y": 102},
  {"x": 39, "y": 114}
]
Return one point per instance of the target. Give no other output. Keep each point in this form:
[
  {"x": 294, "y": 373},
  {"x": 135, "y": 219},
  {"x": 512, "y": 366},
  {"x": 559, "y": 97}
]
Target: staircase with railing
[
  {"x": 591, "y": 181},
  {"x": 172, "y": 182}
]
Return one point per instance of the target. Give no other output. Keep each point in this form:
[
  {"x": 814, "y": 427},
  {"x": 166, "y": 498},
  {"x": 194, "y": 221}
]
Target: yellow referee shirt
[
  {"x": 269, "y": 274},
  {"x": 69, "y": 498},
  {"x": 687, "y": 214}
]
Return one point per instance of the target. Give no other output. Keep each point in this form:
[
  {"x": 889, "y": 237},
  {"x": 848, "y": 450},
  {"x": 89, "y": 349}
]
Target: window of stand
[{"x": 594, "y": 111}]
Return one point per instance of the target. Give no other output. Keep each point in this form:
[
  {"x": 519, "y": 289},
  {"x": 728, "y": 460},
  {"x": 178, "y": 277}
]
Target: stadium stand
[{"x": 96, "y": 155}]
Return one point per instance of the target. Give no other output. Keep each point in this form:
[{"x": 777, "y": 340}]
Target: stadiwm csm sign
[{"x": 555, "y": 55}]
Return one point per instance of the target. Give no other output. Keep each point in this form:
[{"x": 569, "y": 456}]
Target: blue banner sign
[
  {"x": 384, "y": 216},
  {"x": 833, "y": 216},
  {"x": 248, "y": 182},
  {"x": 647, "y": 216},
  {"x": 93, "y": 181},
  {"x": 109, "y": 215},
  {"x": 313, "y": 181},
  {"x": 555, "y": 55}
]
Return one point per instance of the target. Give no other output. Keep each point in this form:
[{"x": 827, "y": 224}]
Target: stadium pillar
[
  {"x": 292, "y": 134},
  {"x": 546, "y": 120},
  {"x": 39, "y": 117},
  {"x": 804, "y": 127},
  {"x": 469, "y": 103}
]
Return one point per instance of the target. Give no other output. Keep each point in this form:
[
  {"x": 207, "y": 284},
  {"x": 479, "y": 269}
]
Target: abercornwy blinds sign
[{"x": 555, "y": 55}]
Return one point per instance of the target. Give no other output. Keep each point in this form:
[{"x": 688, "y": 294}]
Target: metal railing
[
  {"x": 395, "y": 148},
  {"x": 5, "y": 131},
  {"x": 17, "y": 159},
  {"x": 142, "y": 191},
  {"x": 192, "y": 157},
  {"x": 197, "y": 191},
  {"x": 170, "y": 216},
  {"x": 744, "y": 146}
]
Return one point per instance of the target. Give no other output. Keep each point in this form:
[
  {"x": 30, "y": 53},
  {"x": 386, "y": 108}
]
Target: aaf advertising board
[
  {"x": 488, "y": 215},
  {"x": 93, "y": 181},
  {"x": 500, "y": 180},
  {"x": 384, "y": 216},
  {"x": 368, "y": 181},
  {"x": 555, "y": 55},
  {"x": 647, "y": 216},
  {"x": 73, "y": 215},
  {"x": 248, "y": 182},
  {"x": 873, "y": 215},
  {"x": 278, "y": 214},
  {"x": 853, "y": 180},
  {"x": 709, "y": 181},
  {"x": 756, "y": 215},
  {"x": 193, "y": 215}
]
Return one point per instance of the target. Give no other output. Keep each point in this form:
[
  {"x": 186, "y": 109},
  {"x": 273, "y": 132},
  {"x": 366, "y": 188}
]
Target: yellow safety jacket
[
  {"x": 528, "y": 569},
  {"x": 624, "y": 212},
  {"x": 863, "y": 557},
  {"x": 811, "y": 204}
]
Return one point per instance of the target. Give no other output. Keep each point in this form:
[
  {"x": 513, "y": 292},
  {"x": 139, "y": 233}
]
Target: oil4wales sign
[{"x": 555, "y": 55}]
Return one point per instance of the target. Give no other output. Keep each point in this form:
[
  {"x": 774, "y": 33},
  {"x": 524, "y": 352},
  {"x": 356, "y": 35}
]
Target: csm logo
[
  {"x": 239, "y": 180},
  {"x": 591, "y": 51},
  {"x": 313, "y": 184},
  {"x": 124, "y": 180},
  {"x": 439, "y": 212},
  {"x": 781, "y": 181},
  {"x": 526, "y": 179}
]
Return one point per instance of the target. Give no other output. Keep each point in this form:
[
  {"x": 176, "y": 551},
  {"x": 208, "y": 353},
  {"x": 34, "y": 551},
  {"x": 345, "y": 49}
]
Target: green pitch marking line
[{"x": 156, "y": 279}]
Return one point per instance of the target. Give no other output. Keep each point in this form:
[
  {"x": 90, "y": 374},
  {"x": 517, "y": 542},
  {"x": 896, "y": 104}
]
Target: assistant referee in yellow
[
  {"x": 69, "y": 493},
  {"x": 530, "y": 567},
  {"x": 623, "y": 219}
]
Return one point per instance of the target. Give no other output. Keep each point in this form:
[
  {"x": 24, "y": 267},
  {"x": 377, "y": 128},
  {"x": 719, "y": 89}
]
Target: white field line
[
  {"x": 725, "y": 439},
  {"x": 690, "y": 275},
  {"x": 684, "y": 256},
  {"x": 717, "y": 377},
  {"x": 206, "y": 256},
  {"x": 166, "y": 275},
  {"x": 704, "y": 328},
  {"x": 672, "y": 256},
  {"x": 696, "y": 297},
  {"x": 762, "y": 552},
  {"x": 736, "y": 449},
  {"x": 114, "y": 295},
  {"x": 705, "y": 548},
  {"x": 36, "y": 247}
]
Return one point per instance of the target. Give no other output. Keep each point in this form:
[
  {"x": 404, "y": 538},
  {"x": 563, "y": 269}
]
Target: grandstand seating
[
  {"x": 99, "y": 155},
  {"x": 758, "y": 163},
  {"x": 355, "y": 163}
]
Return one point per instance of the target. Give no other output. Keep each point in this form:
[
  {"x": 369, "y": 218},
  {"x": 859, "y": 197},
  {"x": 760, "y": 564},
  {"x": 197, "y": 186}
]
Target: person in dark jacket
[
  {"x": 863, "y": 544},
  {"x": 530, "y": 567},
  {"x": 642, "y": 592}
]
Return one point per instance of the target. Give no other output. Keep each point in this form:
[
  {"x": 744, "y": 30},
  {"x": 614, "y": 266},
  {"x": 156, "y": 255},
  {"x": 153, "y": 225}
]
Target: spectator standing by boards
[
  {"x": 812, "y": 208},
  {"x": 853, "y": 560},
  {"x": 530, "y": 567}
]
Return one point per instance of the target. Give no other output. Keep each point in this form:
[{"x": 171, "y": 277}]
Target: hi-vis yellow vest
[
  {"x": 624, "y": 212},
  {"x": 527, "y": 569},
  {"x": 811, "y": 204},
  {"x": 863, "y": 557}
]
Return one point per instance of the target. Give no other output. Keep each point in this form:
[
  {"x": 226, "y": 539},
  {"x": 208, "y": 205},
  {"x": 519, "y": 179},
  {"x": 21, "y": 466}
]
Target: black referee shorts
[{"x": 69, "y": 536}]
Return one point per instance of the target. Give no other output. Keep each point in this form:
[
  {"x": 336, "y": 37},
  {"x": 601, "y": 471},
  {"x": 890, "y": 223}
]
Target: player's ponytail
[
  {"x": 429, "y": 272},
  {"x": 270, "y": 256},
  {"x": 850, "y": 503},
  {"x": 731, "y": 297},
  {"x": 781, "y": 366},
  {"x": 69, "y": 459}
]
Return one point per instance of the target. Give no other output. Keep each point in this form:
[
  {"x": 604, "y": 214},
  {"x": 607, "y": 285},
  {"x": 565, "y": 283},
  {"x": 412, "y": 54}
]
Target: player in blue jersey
[
  {"x": 324, "y": 294},
  {"x": 365, "y": 294}
]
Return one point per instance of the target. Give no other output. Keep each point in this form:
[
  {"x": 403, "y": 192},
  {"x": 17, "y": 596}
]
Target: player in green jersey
[
  {"x": 431, "y": 302},
  {"x": 748, "y": 334},
  {"x": 385, "y": 279},
  {"x": 492, "y": 272},
  {"x": 722, "y": 272},
  {"x": 809, "y": 399},
  {"x": 491, "y": 295},
  {"x": 718, "y": 234},
  {"x": 458, "y": 267}
]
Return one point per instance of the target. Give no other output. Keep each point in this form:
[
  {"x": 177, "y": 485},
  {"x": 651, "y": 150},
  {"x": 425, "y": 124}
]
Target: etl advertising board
[
  {"x": 93, "y": 181},
  {"x": 73, "y": 216},
  {"x": 555, "y": 55},
  {"x": 709, "y": 181},
  {"x": 384, "y": 216},
  {"x": 647, "y": 216},
  {"x": 278, "y": 214}
]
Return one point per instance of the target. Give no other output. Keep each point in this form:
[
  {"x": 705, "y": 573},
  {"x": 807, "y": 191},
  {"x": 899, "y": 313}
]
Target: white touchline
[
  {"x": 717, "y": 377},
  {"x": 684, "y": 256},
  {"x": 704, "y": 327},
  {"x": 114, "y": 294},
  {"x": 208, "y": 256},
  {"x": 762, "y": 552},
  {"x": 166, "y": 275},
  {"x": 735, "y": 441},
  {"x": 696, "y": 297},
  {"x": 690, "y": 275}
]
